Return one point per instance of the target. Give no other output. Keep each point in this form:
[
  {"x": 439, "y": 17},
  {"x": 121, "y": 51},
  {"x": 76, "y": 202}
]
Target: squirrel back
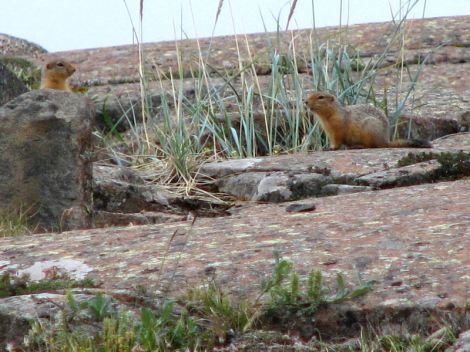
[
  {"x": 362, "y": 125},
  {"x": 55, "y": 74}
]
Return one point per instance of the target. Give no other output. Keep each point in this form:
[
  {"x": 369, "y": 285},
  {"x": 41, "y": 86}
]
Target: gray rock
[
  {"x": 45, "y": 152},
  {"x": 464, "y": 121},
  {"x": 462, "y": 344},
  {"x": 274, "y": 189},
  {"x": 307, "y": 185},
  {"x": 10, "y": 85},
  {"x": 104, "y": 218},
  {"x": 401, "y": 176},
  {"x": 229, "y": 167},
  {"x": 121, "y": 190},
  {"x": 334, "y": 189},
  {"x": 419, "y": 127},
  {"x": 243, "y": 186}
]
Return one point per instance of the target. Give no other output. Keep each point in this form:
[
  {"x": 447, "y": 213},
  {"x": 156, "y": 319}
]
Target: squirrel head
[
  {"x": 60, "y": 68},
  {"x": 321, "y": 103}
]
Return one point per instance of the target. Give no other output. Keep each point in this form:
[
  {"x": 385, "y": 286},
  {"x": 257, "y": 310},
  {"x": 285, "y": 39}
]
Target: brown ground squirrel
[
  {"x": 55, "y": 74},
  {"x": 358, "y": 126}
]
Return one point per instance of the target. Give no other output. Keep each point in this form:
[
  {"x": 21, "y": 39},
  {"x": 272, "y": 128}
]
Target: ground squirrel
[
  {"x": 357, "y": 126},
  {"x": 55, "y": 74}
]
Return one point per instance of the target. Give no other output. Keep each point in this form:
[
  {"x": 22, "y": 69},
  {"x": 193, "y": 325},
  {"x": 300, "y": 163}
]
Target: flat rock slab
[
  {"x": 352, "y": 161},
  {"x": 301, "y": 175},
  {"x": 412, "y": 242}
]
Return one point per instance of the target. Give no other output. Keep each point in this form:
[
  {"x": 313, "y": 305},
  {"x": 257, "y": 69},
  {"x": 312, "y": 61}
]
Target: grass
[
  {"x": 14, "y": 222},
  {"x": 254, "y": 107}
]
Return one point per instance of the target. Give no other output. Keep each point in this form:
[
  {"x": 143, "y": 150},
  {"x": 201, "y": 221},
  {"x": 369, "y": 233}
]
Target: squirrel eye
[
  {"x": 321, "y": 97},
  {"x": 60, "y": 64}
]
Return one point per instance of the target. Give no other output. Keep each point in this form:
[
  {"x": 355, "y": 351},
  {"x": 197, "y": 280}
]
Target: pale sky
[{"x": 59, "y": 25}]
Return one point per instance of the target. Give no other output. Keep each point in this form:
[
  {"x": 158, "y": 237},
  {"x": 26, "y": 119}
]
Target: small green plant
[
  {"x": 163, "y": 330},
  {"x": 217, "y": 311},
  {"x": 289, "y": 295},
  {"x": 100, "y": 307}
]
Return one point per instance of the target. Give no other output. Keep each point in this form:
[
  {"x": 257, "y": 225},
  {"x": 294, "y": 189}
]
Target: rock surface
[
  {"x": 16, "y": 47},
  {"x": 401, "y": 239},
  {"x": 290, "y": 177},
  {"x": 45, "y": 151},
  {"x": 10, "y": 85},
  {"x": 412, "y": 241}
]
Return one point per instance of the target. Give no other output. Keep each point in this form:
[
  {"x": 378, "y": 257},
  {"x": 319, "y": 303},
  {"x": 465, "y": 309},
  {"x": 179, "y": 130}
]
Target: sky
[{"x": 60, "y": 25}]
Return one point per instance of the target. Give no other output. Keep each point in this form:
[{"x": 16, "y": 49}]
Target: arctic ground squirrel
[
  {"x": 356, "y": 126},
  {"x": 55, "y": 74}
]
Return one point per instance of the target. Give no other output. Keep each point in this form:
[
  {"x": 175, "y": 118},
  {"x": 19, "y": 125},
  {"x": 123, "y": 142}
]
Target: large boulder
[
  {"x": 10, "y": 85},
  {"x": 45, "y": 166}
]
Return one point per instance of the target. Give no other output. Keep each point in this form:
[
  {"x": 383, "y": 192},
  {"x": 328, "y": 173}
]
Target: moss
[
  {"x": 414, "y": 158},
  {"x": 20, "y": 285},
  {"x": 454, "y": 165}
]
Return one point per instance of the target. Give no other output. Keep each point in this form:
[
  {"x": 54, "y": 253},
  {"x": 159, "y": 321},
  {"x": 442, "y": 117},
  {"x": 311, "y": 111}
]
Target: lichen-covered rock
[
  {"x": 45, "y": 152},
  {"x": 423, "y": 127},
  {"x": 243, "y": 186},
  {"x": 121, "y": 190},
  {"x": 10, "y": 85}
]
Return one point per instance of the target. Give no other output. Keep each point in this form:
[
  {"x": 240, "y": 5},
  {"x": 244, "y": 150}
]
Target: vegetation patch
[
  {"x": 414, "y": 158},
  {"x": 11, "y": 285},
  {"x": 14, "y": 222},
  {"x": 26, "y": 71},
  {"x": 205, "y": 318},
  {"x": 454, "y": 165}
]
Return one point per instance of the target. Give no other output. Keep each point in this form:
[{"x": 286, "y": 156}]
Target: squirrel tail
[{"x": 410, "y": 143}]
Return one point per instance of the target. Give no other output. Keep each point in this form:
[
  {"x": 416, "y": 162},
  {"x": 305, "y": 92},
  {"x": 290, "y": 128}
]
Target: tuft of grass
[
  {"x": 14, "y": 222},
  {"x": 217, "y": 311}
]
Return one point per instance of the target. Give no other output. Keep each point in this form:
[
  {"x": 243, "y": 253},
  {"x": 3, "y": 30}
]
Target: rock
[
  {"x": 273, "y": 188},
  {"x": 10, "y": 85},
  {"x": 464, "y": 121},
  {"x": 462, "y": 344},
  {"x": 122, "y": 196},
  {"x": 402, "y": 176},
  {"x": 121, "y": 190},
  {"x": 243, "y": 186},
  {"x": 307, "y": 185},
  {"x": 334, "y": 189},
  {"x": 300, "y": 207},
  {"x": 317, "y": 174},
  {"x": 45, "y": 167},
  {"x": 105, "y": 219},
  {"x": 421, "y": 127},
  {"x": 13, "y": 46}
]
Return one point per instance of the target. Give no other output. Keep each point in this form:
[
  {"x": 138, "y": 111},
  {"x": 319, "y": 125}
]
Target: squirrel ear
[
  {"x": 48, "y": 65},
  {"x": 331, "y": 98}
]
